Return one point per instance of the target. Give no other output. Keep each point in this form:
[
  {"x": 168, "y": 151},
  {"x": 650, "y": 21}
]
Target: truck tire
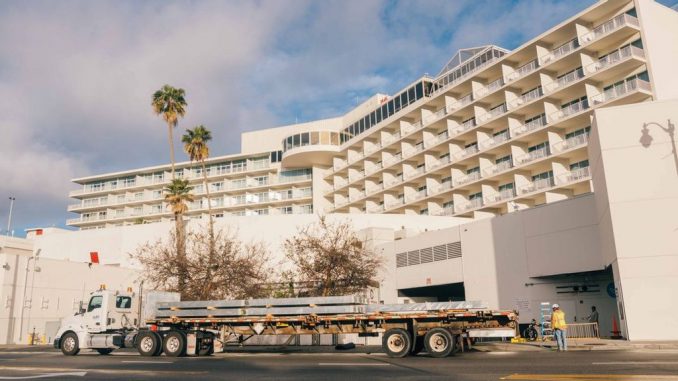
[
  {"x": 206, "y": 351},
  {"x": 439, "y": 342},
  {"x": 396, "y": 342},
  {"x": 69, "y": 344},
  {"x": 418, "y": 345},
  {"x": 174, "y": 344},
  {"x": 149, "y": 344},
  {"x": 105, "y": 351}
]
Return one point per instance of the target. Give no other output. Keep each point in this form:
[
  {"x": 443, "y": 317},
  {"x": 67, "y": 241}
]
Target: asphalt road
[{"x": 533, "y": 365}]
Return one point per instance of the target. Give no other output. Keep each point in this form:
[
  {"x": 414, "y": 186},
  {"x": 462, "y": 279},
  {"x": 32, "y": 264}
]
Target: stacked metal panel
[{"x": 350, "y": 304}]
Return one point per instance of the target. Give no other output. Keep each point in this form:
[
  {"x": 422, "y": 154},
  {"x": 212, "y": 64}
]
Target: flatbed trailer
[{"x": 193, "y": 328}]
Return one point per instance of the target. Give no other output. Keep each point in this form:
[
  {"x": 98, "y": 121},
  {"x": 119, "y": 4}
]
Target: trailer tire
[
  {"x": 439, "y": 342},
  {"x": 69, "y": 344},
  {"x": 418, "y": 345},
  {"x": 174, "y": 344},
  {"x": 396, "y": 342},
  {"x": 105, "y": 351},
  {"x": 149, "y": 344}
]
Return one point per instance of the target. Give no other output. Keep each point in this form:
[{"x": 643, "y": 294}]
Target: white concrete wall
[
  {"x": 640, "y": 185},
  {"x": 659, "y": 31},
  {"x": 51, "y": 290},
  {"x": 116, "y": 243}
]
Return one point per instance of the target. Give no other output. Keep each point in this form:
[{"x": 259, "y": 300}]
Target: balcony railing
[
  {"x": 467, "y": 125},
  {"x": 394, "y": 204},
  {"x": 467, "y": 178},
  {"x": 524, "y": 70},
  {"x": 570, "y": 110},
  {"x": 570, "y": 143},
  {"x": 446, "y": 211},
  {"x": 564, "y": 80},
  {"x": 468, "y": 151},
  {"x": 609, "y": 26},
  {"x": 374, "y": 189},
  {"x": 574, "y": 175},
  {"x": 441, "y": 162},
  {"x": 527, "y": 97},
  {"x": 620, "y": 90},
  {"x": 534, "y": 155},
  {"x": 495, "y": 140},
  {"x": 503, "y": 166},
  {"x": 472, "y": 204},
  {"x": 417, "y": 195},
  {"x": 416, "y": 172},
  {"x": 615, "y": 57},
  {"x": 376, "y": 209},
  {"x": 536, "y": 185},
  {"x": 560, "y": 51},
  {"x": 493, "y": 113},
  {"x": 444, "y": 186},
  {"x": 395, "y": 180},
  {"x": 530, "y": 126},
  {"x": 504, "y": 195},
  {"x": 490, "y": 88}
]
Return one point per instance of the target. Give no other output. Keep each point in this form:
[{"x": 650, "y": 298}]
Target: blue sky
[{"x": 76, "y": 76}]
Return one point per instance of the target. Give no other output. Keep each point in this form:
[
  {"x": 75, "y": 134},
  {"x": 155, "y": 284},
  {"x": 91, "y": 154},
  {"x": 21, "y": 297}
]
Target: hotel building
[{"x": 495, "y": 131}]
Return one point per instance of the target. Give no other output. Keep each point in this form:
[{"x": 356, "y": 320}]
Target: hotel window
[
  {"x": 155, "y": 209},
  {"x": 540, "y": 146},
  {"x": 305, "y": 209},
  {"x": 137, "y": 211},
  {"x": 158, "y": 177},
  {"x": 138, "y": 196},
  {"x": 475, "y": 196},
  {"x": 548, "y": 175},
  {"x": 503, "y": 159},
  {"x": 581, "y": 131},
  {"x": 239, "y": 199},
  {"x": 120, "y": 212},
  {"x": 237, "y": 184},
  {"x": 260, "y": 180},
  {"x": 217, "y": 187},
  {"x": 121, "y": 198},
  {"x": 157, "y": 194},
  {"x": 579, "y": 165},
  {"x": 198, "y": 188},
  {"x": 473, "y": 170},
  {"x": 285, "y": 210},
  {"x": 179, "y": 173},
  {"x": 128, "y": 181},
  {"x": 448, "y": 205}
]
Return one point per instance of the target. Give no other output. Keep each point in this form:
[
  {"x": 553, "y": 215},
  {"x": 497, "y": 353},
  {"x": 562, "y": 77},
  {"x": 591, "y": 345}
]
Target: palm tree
[
  {"x": 177, "y": 194},
  {"x": 195, "y": 145},
  {"x": 170, "y": 103}
]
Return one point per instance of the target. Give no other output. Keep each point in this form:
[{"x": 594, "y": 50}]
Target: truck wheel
[
  {"x": 105, "y": 351},
  {"x": 174, "y": 344},
  {"x": 439, "y": 342},
  {"x": 396, "y": 342},
  {"x": 418, "y": 345},
  {"x": 206, "y": 351},
  {"x": 148, "y": 344},
  {"x": 69, "y": 344}
]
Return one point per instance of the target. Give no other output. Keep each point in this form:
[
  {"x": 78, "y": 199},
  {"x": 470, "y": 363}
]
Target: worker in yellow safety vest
[{"x": 559, "y": 327}]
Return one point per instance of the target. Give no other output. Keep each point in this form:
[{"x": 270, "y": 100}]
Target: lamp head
[{"x": 645, "y": 138}]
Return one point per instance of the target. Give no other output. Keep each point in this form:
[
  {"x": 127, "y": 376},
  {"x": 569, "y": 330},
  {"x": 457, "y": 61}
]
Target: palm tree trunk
[
  {"x": 212, "y": 255},
  {"x": 171, "y": 144},
  {"x": 181, "y": 253}
]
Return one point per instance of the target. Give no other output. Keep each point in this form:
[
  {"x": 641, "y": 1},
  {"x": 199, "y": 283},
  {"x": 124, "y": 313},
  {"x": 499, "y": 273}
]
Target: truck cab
[{"x": 102, "y": 324}]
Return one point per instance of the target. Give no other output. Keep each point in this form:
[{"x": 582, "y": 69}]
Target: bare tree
[
  {"x": 235, "y": 270},
  {"x": 330, "y": 259}
]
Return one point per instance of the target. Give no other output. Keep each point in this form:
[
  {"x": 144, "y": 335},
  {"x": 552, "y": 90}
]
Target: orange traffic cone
[{"x": 616, "y": 333}]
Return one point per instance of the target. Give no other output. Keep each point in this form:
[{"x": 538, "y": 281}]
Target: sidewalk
[{"x": 579, "y": 345}]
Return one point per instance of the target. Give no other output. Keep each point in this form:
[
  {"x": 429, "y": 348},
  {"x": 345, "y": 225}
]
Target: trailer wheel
[
  {"x": 174, "y": 344},
  {"x": 439, "y": 342},
  {"x": 418, "y": 345},
  {"x": 69, "y": 344},
  {"x": 148, "y": 344},
  {"x": 105, "y": 351},
  {"x": 396, "y": 342}
]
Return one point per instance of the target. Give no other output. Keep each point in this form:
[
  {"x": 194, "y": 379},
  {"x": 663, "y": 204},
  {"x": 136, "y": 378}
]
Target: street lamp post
[{"x": 9, "y": 219}]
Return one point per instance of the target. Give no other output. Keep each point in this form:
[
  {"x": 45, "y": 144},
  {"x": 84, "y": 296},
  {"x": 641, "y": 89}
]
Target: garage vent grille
[{"x": 429, "y": 254}]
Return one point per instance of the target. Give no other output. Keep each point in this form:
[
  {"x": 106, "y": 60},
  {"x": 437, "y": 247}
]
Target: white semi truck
[{"x": 116, "y": 319}]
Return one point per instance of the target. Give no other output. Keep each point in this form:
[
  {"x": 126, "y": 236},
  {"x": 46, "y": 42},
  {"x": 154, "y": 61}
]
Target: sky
[{"x": 76, "y": 77}]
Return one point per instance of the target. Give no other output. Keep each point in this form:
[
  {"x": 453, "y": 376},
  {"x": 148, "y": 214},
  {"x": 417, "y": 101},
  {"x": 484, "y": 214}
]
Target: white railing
[
  {"x": 376, "y": 209},
  {"x": 609, "y": 26},
  {"x": 441, "y": 162},
  {"x": 524, "y": 70},
  {"x": 495, "y": 140},
  {"x": 490, "y": 88},
  {"x": 469, "y": 124},
  {"x": 416, "y": 196},
  {"x": 574, "y": 175},
  {"x": 468, "y": 151},
  {"x": 615, "y": 57},
  {"x": 527, "y": 97},
  {"x": 465, "y": 76},
  {"x": 493, "y": 113},
  {"x": 572, "y": 142},
  {"x": 446, "y": 211},
  {"x": 375, "y": 189},
  {"x": 467, "y": 178},
  {"x": 505, "y": 194},
  {"x": 565, "y": 80},
  {"x": 503, "y": 166},
  {"x": 570, "y": 110},
  {"x": 537, "y": 185},
  {"x": 357, "y": 196},
  {"x": 620, "y": 90},
  {"x": 395, "y": 180},
  {"x": 529, "y": 126},
  {"x": 534, "y": 155},
  {"x": 561, "y": 51},
  {"x": 472, "y": 204},
  {"x": 445, "y": 186},
  {"x": 396, "y": 203},
  {"x": 415, "y": 172},
  {"x": 374, "y": 168}
]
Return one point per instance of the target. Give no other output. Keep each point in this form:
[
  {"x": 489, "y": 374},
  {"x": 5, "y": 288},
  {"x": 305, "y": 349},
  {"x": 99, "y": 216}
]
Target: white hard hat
[{"x": 556, "y": 306}]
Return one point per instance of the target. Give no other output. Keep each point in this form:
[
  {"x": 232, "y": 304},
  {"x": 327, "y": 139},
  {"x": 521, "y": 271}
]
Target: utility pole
[{"x": 9, "y": 219}]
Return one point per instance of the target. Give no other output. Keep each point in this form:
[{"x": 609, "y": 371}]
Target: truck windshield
[{"x": 94, "y": 303}]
